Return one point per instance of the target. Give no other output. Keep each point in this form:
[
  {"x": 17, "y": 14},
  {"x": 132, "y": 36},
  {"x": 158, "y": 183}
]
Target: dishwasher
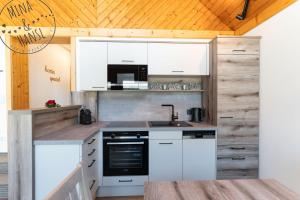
[{"x": 199, "y": 155}]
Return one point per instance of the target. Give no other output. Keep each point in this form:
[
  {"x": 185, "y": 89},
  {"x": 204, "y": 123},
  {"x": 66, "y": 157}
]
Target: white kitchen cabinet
[
  {"x": 91, "y": 65},
  {"x": 199, "y": 159},
  {"x": 127, "y": 53},
  {"x": 165, "y": 160},
  {"x": 54, "y": 162},
  {"x": 178, "y": 59}
]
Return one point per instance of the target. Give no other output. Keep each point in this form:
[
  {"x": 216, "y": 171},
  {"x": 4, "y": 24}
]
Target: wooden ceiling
[{"x": 195, "y": 15}]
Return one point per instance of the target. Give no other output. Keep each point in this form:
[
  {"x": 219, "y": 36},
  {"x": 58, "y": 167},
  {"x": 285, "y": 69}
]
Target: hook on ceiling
[{"x": 244, "y": 13}]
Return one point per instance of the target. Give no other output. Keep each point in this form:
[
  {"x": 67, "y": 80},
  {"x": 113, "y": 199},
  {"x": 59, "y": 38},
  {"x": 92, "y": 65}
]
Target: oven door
[{"x": 123, "y": 157}]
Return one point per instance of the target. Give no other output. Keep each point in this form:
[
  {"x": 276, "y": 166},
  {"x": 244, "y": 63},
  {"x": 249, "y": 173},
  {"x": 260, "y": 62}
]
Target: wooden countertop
[
  {"x": 219, "y": 190},
  {"x": 78, "y": 134},
  {"x": 73, "y": 134}
]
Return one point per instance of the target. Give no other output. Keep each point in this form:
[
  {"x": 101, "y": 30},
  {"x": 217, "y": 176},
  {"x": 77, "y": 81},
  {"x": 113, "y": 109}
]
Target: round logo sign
[{"x": 26, "y": 19}]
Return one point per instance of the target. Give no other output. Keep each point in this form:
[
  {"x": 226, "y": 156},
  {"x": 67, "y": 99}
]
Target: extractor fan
[{"x": 244, "y": 13}]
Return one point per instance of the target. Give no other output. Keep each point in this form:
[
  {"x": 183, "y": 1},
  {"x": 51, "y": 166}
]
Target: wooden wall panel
[{"x": 19, "y": 78}]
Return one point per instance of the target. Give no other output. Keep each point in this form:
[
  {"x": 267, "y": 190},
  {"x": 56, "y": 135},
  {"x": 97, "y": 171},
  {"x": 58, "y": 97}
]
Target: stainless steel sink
[{"x": 169, "y": 124}]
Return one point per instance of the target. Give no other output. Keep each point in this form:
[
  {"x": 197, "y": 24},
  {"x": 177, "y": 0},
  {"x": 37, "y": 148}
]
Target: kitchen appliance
[
  {"x": 199, "y": 155},
  {"x": 196, "y": 114},
  {"x": 85, "y": 116},
  {"x": 127, "y": 77},
  {"x": 125, "y": 153}
]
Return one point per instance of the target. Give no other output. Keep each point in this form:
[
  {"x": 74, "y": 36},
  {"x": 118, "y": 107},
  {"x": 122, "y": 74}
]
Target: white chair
[{"x": 73, "y": 187}]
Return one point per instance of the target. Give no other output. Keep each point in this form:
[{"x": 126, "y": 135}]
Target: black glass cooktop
[{"x": 138, "y": 124}]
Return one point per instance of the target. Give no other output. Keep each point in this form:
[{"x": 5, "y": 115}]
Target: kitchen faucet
[{"x": 174, "y": 117}]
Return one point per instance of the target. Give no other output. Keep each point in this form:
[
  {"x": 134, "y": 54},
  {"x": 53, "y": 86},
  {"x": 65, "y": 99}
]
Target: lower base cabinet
[
  {"x": 54, "y": 162},
  {"x": 165, "y": 160}
]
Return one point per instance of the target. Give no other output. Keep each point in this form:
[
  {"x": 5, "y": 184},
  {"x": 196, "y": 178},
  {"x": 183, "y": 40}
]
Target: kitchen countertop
[
  {"x": 78, "y": 134},
  {"x": 216, "y": 190}
]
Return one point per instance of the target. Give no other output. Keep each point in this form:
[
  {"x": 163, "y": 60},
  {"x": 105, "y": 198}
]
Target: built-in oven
[
  {"x": 125, "y": 153},
  {"x": 127, "y": 77}
]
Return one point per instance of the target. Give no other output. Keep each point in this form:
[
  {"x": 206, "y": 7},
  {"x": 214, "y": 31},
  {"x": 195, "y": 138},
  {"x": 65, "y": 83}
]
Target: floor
[{"x": 121, "y": 198}]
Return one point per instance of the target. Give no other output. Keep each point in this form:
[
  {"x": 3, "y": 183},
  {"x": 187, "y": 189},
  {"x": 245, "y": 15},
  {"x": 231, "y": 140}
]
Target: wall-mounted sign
[{"x": 52, "y": 72}]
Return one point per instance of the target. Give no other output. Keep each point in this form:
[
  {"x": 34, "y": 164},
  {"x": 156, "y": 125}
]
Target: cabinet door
[
  {"x": 165, "y": 160},
  {"x": 126, "y": 53},
  {"x": 199, "y": 159},
  {"x": 178, "y": 59},
  {"x": 91, "y": 65}
]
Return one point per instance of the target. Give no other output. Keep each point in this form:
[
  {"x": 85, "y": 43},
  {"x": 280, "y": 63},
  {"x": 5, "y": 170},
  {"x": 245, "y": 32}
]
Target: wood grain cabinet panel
[
  {"x": 236, "y": 82},
  {"x": 238, "y": 46}
]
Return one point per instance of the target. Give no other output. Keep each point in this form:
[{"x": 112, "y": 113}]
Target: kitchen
[{"x": 159, "y": 117}]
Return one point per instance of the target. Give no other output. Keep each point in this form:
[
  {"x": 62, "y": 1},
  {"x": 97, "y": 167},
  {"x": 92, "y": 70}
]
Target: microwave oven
[{"x": 127, "y": 77}]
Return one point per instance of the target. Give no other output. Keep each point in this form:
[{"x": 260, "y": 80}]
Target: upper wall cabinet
[
  {"x": 126, "y": 53},
  {"x": 238, "y": 46},
  {"x": 91, "y": 65},
  {"x": 178, "y": 59}
]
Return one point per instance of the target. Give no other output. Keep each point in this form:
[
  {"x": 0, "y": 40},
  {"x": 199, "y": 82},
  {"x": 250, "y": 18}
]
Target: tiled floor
[{"x": 121, "y": 198}]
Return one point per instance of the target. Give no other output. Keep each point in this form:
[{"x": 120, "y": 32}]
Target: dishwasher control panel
[{"x": 199, "y": 134}]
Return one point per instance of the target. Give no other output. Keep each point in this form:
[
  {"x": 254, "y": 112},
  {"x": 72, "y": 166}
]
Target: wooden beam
[
  {"x": 275, "y": 8},
  {"x": 140, "y": 33},
  {"x": 19, "y": 78}
]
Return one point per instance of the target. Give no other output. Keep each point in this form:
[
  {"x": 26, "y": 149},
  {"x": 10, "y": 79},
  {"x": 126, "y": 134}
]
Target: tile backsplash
[{"x": 145, "y": 106}]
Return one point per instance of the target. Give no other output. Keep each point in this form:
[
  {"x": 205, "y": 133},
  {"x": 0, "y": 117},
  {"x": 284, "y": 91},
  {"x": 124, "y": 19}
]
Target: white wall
[
  {"x": 280, "y": 97},
  {"x": 3, "y": 108},
  {"x": 41, "y": 89}
]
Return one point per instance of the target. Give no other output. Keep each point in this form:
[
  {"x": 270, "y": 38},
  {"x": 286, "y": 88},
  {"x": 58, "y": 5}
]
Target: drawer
[
  {"x": 124, "y": 180},
  {"x": 165, "y": 135},
  {"x": 237, "y": 150},
  {"x": 237, "y": 162},
  {"x": 238, "y": 139},
  {"x": 238, "y": 46},
  {"x": 237, "y": 174}
]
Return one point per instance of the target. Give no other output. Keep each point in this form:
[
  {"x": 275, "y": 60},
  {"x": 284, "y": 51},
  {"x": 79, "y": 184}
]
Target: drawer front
[
  {"x": 165, "y": 135},
  {"x": 124, "y": 180},
  {"x": 238, "y": 140},
  {"x": 237, "y": 150},
  {"x": 237, "y": 174},
  {"x": 238, "y": 46},
  {"x": 237, "y": 162}
]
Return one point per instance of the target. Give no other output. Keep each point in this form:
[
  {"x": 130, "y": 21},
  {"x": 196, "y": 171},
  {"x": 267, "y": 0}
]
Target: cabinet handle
[
  {"x": 179, "y": 71},
  {"x": 241, "y": 158},
  {"x": 1, "y": 70},
  {"x": 98, "y": 87},
  {"x": 229, "y": 117},
  {"x": 91, "y": 187},
  {"x": 92, "y": 163},
  {"x": 238, "y": 148},
  {"x": 93, "y": 140},
  {"x": 93, "y": 151},
  {"x": 166, "y": 143},
  {"x": 125, "y": 181},
  {"x": 239, "y": 50},
  {"x": 127, "y": 61}
]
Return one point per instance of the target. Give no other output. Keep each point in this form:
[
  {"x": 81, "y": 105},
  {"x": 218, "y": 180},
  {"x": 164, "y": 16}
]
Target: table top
[{"x": 217, "y": 190}]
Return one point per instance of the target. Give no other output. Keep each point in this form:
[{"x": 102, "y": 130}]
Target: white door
[
  {"x": 127, "y": 53},
  {"x": 199, "y": 159},
  {"x": 3, "y": 106},
  {"x": 165, "y": 160},
  {"x": 91, "y": 65},
  {"x": 178, "y": 59}
]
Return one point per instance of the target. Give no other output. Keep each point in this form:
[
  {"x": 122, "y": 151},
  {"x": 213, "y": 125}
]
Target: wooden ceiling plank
[
  {"x": 141, "y": 14},
  {"x": 276, "y": 7}
]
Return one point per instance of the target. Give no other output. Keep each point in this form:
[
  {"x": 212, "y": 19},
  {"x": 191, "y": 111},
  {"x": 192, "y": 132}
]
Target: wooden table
[{"x": 218, "y": 190}]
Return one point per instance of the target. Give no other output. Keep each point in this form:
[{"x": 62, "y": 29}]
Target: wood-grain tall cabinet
[{"x": 235, "y": 107}]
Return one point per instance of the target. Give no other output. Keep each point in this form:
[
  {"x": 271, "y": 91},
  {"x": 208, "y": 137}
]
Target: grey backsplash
[{"x": 145, "y": 106}]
